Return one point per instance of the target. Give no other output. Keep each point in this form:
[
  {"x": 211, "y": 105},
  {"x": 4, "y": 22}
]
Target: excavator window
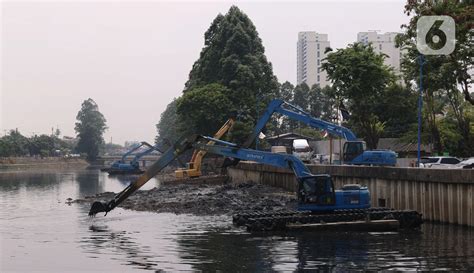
[
  {"x": 318, "y": 190},
  {"x": 352, "y": 149}
]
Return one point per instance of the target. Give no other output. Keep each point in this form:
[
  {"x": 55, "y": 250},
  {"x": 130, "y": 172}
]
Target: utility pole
[{"x": 421, "y": 62}]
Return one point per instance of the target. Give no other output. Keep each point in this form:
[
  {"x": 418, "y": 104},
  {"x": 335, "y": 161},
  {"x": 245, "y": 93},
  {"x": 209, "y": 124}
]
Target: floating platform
[
  {"x": 373, "y": 219},
  {"x": 373, "y": 226}
]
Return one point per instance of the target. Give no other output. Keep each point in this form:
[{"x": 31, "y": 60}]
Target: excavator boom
[
  {"x": 194, "y": 166},
  {"x": 166, "y": 158}
]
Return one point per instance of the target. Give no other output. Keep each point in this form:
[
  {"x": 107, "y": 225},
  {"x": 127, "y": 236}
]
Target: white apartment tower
[
  {"x": 383, "y": 43},
  {"x": 310, "y": 55}
]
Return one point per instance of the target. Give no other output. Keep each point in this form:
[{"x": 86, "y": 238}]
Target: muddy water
[{"x": 40, "y": 232}]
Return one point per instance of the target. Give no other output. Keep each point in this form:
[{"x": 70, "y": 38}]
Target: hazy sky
[{"x": 133, "y": 58}]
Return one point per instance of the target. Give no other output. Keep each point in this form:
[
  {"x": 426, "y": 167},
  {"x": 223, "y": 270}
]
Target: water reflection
[
  {"x": 124, "y": 179},
  {"x": 14, "y": 180},
  {"x": 89, "y": 183},
  {"x": 104, "y": 239},
  {"x": 37, "y": 226},
  {"x": 330, "y": 251}
]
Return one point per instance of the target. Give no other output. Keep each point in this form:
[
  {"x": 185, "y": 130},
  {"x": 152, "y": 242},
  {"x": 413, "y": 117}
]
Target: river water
[{"x": 40, "y": 232}]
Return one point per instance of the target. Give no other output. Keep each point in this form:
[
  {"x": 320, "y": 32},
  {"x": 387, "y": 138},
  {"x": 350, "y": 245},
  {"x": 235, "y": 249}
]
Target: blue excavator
[
  {"x": 354, "y": 150},
  {"x": 133, "y": 167},
  {"x": 316, "y": 194}
]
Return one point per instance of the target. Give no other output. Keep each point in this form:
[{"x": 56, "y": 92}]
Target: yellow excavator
[{"x": 193, "y": 168}]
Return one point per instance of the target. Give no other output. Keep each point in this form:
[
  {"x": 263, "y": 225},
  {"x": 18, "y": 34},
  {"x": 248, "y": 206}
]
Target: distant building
[
  {"x": 286, "y": 139},
  {"x": 310, "y": 54},
  {"x": 383, "y": 43}
]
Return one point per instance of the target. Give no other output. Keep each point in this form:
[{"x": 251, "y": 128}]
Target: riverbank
[
  {"x": 38, "y": 162},
  {"x": 204, "y": 199}
]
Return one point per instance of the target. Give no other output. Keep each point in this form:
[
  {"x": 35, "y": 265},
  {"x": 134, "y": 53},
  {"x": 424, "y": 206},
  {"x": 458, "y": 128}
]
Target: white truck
[{"x": 302, "y": 150}]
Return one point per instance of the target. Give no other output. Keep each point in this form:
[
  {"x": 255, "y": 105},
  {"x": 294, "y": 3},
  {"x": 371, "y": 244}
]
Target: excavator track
[{"x": 279, "y": 221}]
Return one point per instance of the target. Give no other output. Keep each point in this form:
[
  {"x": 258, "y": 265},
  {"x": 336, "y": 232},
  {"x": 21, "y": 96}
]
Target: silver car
[
  {"x": 439, "y": 162},
  {"x": 466, "y": 164}
]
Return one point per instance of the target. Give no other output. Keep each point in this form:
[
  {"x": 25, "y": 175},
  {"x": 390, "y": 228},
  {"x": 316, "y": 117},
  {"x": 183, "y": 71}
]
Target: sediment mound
[{"x": 204, "y": 199}]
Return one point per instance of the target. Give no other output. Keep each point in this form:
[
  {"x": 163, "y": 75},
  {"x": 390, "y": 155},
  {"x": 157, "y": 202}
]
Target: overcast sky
[{"x": 133, "y": 58}]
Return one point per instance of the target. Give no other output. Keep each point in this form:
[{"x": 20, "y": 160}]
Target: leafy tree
[
  {"x": 446, "y": 80},
  {"x": 205, "y": 109},
  {"x": 316, "y": 101},
  {"x": 286, "y": 91},
  {"x": 286, "y": 94},
  {"x": 43, "y": 145},
  {"x": 233, "y": 57},
  {"x": 301, "y": 96},
  {"x": 90, "y": 127},
  {"x": 460, "y": 61},
  {"x": 168, "y": 127},
  {"x": 359, "y": 78},
  {"x": 397, "y": 108},
  {"x": 13, "y": 144}
]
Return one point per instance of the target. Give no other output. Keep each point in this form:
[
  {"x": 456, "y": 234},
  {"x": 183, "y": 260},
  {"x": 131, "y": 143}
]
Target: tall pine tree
[{"x": 232, "y": 69}]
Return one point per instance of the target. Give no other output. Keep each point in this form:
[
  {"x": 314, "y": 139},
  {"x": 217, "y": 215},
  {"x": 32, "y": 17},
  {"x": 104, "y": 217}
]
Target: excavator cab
[
  {"x": 316, "y": 193},
  {"x": 353, "y": 149},
  {"x": 317, "y": 190}
]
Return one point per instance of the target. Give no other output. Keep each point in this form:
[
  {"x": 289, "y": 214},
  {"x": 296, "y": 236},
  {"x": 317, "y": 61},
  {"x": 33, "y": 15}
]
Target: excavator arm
[
  {"x": 354, "y": 150},
  {"x": 124, "y": 156},
  {"x": 296, "y": 113},
  {"x": 166, "y": 158},
  {"x": 194, "y": 166},
  {"x": 158, "y": 147}
]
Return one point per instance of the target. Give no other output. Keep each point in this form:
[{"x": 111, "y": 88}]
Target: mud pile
[{"x": 204, "y": 199}]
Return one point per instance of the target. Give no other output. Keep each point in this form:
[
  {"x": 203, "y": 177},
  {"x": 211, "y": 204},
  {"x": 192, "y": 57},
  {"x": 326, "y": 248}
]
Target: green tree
[
  {"x": 43, "y": 145},
  {"x": 286, "y": 94},
  {"x": 397, "y": 108},
  {"x": 204, "y": 109},
  {"x": 316, "y": 101},
  {"x": 301, "y": 96},
  {"x": 13, "y": 144},
  {"x": 446, "y": 80},
  {"x": 90, "y": 127},
  {"x": 330, "y": 104},
  {"x": 233, "y": 57},
  {"x": 286, "y": 91},
  {"x": 460, "y": 61},
  {"x": 168, "y": 127},
  {"x": 359, "y": 78}
]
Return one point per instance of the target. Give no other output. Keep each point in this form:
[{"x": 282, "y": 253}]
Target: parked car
[
  {"x": 439, "y": 162},
  {"x": 466, "y": 164}
]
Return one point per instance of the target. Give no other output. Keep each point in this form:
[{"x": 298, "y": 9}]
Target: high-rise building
[
  {"x": 310, "y": 54},
  {"x": 383, "y": 43}
]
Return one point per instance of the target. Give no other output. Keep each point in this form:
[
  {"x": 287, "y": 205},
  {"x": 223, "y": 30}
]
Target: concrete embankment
[
  {"x": 46, "y": 162},
  {"x": 439, "y": 194}
]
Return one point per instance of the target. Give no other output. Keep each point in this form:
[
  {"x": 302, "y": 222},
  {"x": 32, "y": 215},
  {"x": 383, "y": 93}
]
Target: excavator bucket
[{"x": 98, "y": 207}]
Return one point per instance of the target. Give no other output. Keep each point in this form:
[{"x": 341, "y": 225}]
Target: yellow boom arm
[{"x": 194, "y": 166}]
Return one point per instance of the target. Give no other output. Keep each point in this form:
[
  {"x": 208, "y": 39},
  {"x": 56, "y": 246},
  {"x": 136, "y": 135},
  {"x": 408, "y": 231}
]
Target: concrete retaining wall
[
  {"x": 441, "y": 195},
  {"x": 46, "y": 162}
]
